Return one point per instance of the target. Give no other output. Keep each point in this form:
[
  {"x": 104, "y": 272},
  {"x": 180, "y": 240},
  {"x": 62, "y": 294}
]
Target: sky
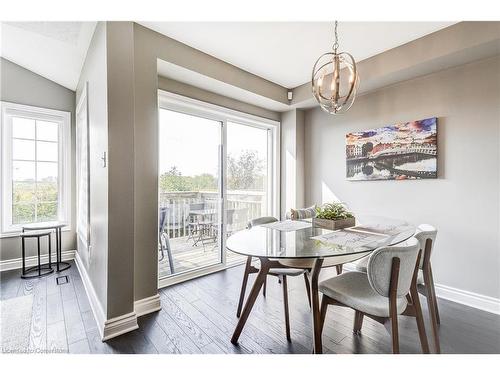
[
  {"x": 34, "y": 140},
  {"x": 405, "y": 132},
  {"x": 192, "y": 143}
]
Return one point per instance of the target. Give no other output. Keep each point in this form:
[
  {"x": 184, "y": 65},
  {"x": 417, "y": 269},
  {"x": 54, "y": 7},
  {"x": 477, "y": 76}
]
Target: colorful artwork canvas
[{"x": 401, "y": 151}]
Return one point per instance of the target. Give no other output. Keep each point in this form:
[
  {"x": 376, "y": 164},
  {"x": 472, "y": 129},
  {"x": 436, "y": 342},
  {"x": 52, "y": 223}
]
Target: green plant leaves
[{"x": 333, "y": 211}]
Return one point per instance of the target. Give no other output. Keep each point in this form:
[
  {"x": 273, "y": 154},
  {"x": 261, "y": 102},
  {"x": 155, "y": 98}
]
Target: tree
[
  {"x": 173, "y": 181},
  {"x": 245, "y": 172}
]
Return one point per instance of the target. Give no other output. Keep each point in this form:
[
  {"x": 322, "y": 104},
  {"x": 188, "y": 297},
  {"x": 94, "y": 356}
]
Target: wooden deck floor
[{"x": 187, "y": 257}]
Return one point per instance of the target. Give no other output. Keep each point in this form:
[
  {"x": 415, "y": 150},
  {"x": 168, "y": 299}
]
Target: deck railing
[{"x": 250, "y": 204}]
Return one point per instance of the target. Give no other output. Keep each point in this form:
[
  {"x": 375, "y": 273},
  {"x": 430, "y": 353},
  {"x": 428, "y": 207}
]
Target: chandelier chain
[{"x": 336, "y": 44}]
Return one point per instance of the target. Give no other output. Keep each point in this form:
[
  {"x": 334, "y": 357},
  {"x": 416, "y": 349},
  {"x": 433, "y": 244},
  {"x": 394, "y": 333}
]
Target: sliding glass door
[
  {"x": 249, "y": 175},
  {"x": 216, "y": 172},
  {"x": 190, "y": 192}
]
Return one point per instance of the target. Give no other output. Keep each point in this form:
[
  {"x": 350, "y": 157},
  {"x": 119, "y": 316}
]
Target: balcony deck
[{"x": 188, "y": 257}]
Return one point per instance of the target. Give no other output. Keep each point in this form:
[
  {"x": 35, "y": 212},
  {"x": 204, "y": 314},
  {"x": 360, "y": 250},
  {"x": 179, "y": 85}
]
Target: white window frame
[
  {"x": 182, "y": 104},
  {"x": 9, "y": 110}
]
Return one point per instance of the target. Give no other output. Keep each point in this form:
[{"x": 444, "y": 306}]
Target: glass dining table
[{"x": 299, "y": 244}]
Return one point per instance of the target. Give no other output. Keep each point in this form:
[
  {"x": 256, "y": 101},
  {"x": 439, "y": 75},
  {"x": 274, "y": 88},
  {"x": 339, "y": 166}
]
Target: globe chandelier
[{"x": 335, "y": 80}]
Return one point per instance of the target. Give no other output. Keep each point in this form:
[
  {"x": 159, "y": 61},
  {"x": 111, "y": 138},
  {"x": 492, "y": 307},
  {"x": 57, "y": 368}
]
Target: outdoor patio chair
[
  {"x": 193, "y": 221},
  {"x": 164, "y": 242}
]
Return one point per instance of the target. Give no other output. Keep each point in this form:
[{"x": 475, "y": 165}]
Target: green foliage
[
  {"x": 245, "y": 172},
  {"x": 34, "y": 202},
  {"x": 173, "y": 180},
  {"x": 333, "y": 211}
]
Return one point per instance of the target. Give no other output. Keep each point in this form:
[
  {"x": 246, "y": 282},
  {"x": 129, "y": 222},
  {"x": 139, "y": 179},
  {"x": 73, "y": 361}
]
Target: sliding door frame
[{"x": 189, "y": 106}]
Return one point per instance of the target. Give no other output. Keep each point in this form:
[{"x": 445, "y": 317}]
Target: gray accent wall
[
  {"x": 22, "y": 86},
  {"x": 463, "y": 203}
]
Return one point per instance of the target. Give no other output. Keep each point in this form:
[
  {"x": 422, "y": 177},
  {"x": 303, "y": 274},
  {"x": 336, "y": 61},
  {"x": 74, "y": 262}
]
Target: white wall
[{"x": 463, "y": 203}]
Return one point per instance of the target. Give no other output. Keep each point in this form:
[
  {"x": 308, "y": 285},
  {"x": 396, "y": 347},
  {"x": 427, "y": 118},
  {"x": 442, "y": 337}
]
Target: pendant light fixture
[{"x": 335, "y": 80}]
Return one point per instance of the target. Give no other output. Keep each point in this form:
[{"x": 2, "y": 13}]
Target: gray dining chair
[
  {"x": 386, "y": 290},
  {"x": 280, "y": 273},
  {"x": 426, "y": 236}
]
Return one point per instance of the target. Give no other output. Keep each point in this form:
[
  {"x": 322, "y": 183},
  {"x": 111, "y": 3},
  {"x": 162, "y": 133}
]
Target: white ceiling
[
  {"x": 284, "y": 52},
  {"x": 54, "y": 50}
]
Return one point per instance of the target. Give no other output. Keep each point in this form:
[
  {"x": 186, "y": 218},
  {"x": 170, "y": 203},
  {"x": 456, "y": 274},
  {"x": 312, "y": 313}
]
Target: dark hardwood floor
[{"x": 198, "y": 316}]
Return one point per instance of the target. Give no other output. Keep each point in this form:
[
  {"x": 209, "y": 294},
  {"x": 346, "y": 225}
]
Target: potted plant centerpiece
[{"x": 333, "y": 216}]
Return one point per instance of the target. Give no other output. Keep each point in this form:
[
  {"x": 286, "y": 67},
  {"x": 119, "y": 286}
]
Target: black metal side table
[
  {"x": 57, "y": 227},
  {"x": 40, "y": 269}
]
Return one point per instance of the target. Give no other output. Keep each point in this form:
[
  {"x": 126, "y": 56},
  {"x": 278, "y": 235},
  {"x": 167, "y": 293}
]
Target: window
[{"x": 36, "y": 185}]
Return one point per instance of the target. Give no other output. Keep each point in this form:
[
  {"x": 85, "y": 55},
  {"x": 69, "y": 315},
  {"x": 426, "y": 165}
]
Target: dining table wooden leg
[
  {"x": 315, "y": 307},
  {"x": 248, "y": 266},
  {"x": 254, "y": 293}
]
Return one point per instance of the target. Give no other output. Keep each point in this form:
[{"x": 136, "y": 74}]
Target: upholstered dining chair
[
  {"x": 280, "y": 273},
  {"x": 386, "y": 290},
  {"x": 426, "y": 236}
]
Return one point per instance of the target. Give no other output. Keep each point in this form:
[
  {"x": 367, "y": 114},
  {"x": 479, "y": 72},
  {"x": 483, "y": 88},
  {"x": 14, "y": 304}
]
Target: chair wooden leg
[
  {"x": 431, "y": 302},
  {"x": 339, "y": 269},
  {"x": 358, "y": 322},
  {"x": 393, "y": 309},
  {"x": 264, "y": 287},
  {"x": 420, "y": 320},
  {"x": 244, "y": 285},
  {"x": 323, "y": 311},
  {"x": 438, "y": 319},
  {"x": 308, "y": 289},
  {"x": 285, "y": 305},
  {"x": 395, "y": 333}
]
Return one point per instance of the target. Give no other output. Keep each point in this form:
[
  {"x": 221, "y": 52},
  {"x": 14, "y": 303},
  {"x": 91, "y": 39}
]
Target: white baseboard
[
  {"x": 108, "y": 328},
  {"x": 95, "y": 305},
  {"x": 478, "y": 301},
  {"x": 119, "y": 325},
  {"x": 14, "y": 264},
  {"x": 147, "y": 305}
]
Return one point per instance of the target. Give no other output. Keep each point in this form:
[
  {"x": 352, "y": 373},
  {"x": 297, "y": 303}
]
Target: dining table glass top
[{"x": 300, "y": 239}]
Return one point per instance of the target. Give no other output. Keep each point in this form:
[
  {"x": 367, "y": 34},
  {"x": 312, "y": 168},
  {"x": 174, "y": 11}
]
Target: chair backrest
[
  {"x": 197, "y": 206},
  {"x": 302, "y": 213},
  {"x": 380, "y": 267},
  {"x": 425, "y": 232},
  {"x": 163, "y": 237},
  {"x": 261, "y": 220},
  {"x": 162, "y": 219}
]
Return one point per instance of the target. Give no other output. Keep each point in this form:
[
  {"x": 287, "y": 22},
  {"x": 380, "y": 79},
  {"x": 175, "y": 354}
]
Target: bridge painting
[{"x": 395, "y": 152}]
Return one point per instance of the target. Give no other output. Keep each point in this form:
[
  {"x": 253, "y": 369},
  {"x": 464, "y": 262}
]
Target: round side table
[
  {"x": 40, "y": 269},
  {"x": 57, "y": 227}
]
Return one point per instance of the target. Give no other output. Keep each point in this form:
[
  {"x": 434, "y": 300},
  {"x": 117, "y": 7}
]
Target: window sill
[{"x": 16, "y": 233}]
